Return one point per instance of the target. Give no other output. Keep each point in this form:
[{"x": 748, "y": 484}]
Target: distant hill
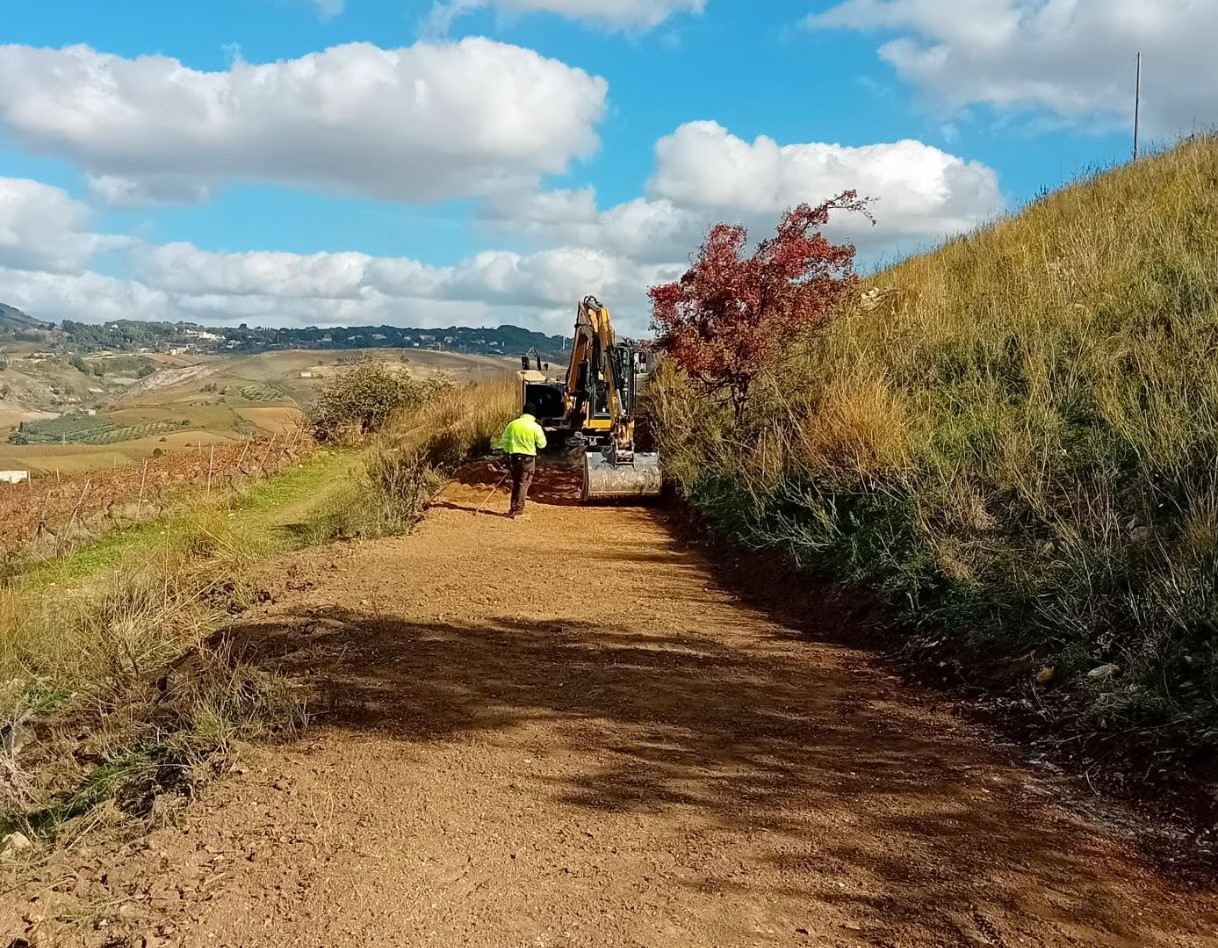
[
  {"x": 14, "y": 320},
  {"x": 133, "y": 335}
]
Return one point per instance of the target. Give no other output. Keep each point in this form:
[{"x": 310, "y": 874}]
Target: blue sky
[{"x": 469, "y": 205}]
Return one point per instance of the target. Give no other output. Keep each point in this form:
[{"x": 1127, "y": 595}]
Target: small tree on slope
[{"x": 728, "y": 315}]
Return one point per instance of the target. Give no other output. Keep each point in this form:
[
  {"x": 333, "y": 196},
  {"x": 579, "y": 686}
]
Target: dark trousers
[{"x": 523, "y": 466}]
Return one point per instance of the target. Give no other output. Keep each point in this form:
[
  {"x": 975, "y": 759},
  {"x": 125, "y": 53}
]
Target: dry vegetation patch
[{"x": 112, "y": 691}]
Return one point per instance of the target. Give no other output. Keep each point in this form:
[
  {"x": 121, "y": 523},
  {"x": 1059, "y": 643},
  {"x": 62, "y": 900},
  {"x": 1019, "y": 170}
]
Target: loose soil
[{"x": 572, "y": 731}]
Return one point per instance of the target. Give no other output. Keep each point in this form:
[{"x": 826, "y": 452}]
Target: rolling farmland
[
  {"x": 88, "y": 429},
  {"x": 191, "y": 402}
]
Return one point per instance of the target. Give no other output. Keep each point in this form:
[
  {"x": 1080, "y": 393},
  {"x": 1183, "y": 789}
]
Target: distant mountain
[{"x": 13, "y": 320}]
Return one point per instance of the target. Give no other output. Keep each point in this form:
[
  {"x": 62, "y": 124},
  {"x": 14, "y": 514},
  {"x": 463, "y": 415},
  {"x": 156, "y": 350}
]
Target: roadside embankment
[{"x": 1012, "y": 441}]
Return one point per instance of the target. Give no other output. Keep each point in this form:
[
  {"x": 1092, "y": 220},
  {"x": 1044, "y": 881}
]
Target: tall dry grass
[
  {"x": 410, "y": 459},
  {"x": 81, "y": 720},
  {"x": 460, "y": 423},
  {"x": 1015, "y": 438}
]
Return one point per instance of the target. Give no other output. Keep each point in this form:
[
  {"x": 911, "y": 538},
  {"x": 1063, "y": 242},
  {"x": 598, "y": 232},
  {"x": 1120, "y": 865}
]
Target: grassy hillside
[
  {"x": 14, "y": 320},
  {"x": 1013, "y": 439}
]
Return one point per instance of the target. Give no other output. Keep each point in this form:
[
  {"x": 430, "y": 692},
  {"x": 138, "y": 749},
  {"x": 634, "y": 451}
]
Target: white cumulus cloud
[
  {"x": 643, "y": 230},
  {"x": 704, "y": 174},
  {"x": 493, "y": 287},
  {"x": 267, "y": 282},
  {"x": 87, "y": 296},
  {"x": 919, "y": 190},
  {"x": 429, "y": 122},
  {"x": 47, "y": 256},
  {"x": 42, "y": 228},
  {"x": 1072, "y": 58}
]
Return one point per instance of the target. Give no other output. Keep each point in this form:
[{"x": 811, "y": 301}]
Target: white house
[{"x": 14, "y": 477}]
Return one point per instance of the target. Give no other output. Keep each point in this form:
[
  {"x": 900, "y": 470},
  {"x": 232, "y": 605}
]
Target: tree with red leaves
[{"x": 725, "y": 319}]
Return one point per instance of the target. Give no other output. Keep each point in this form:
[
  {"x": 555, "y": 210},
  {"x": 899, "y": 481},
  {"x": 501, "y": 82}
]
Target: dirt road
[{"x": 568, "y": 732}]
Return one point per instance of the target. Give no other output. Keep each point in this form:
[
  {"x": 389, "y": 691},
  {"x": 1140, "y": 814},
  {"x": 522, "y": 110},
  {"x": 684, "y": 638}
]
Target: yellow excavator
[{"x": 590, "y": 412}]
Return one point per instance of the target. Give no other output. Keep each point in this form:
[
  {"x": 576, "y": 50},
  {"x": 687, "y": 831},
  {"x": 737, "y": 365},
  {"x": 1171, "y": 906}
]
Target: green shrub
[
  {"x": 408, "y": 462},
  {"x": 362, "y": 399}
]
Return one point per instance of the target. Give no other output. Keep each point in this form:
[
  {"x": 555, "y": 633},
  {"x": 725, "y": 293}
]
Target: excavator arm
[{"x": 597, "y": 394}]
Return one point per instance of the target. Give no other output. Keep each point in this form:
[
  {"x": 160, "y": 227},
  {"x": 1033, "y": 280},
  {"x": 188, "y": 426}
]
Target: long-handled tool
[{"x": 494, "y": 491}]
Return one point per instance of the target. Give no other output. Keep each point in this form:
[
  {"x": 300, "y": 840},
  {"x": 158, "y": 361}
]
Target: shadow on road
[
  {"x": 857, "y": 785},
  {"x": 554, "y": 486}
]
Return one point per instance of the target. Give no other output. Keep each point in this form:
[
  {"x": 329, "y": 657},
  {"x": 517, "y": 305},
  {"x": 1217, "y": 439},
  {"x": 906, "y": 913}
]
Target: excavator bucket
[{"x": 606, "y": 480}]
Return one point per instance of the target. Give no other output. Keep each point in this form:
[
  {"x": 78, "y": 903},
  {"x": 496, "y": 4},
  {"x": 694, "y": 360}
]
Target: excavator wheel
[{"x": 606, "y": 481}]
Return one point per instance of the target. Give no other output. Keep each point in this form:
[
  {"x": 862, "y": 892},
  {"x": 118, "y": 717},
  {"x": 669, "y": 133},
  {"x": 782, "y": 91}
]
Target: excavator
[{"x": 591, "y": 411}]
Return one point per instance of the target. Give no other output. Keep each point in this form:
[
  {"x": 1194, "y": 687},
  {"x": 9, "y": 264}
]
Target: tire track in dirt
[{"x": 567, "y": 732}]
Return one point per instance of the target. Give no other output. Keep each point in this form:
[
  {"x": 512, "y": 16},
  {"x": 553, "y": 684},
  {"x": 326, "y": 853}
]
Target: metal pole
[{"x": 1137, "y": 110}]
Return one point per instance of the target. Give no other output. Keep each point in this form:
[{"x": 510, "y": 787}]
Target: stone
[{"x": 14, "y": 843}]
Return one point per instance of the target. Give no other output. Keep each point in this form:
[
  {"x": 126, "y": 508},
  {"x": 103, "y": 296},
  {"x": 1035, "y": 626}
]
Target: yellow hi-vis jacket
[{"x": 523, "y": 436}]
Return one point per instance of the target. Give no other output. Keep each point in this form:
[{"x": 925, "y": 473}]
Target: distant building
[
  {"x": 14, "y": 477},
  {"x": 306, "y": 375}
]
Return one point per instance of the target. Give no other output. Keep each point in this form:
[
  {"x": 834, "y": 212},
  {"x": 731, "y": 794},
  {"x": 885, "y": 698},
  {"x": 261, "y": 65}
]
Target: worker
[{"x": 521, "y": 441}]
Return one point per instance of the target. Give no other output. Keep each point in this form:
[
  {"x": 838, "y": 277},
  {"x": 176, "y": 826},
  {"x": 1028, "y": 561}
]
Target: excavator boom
[{"x": 602, "y": 387}]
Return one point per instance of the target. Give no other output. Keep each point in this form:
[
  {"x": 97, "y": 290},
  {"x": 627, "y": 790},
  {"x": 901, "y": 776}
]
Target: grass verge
[
  {"x": 110, "y": 692},
  {"x": 94, "y": 706}
]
